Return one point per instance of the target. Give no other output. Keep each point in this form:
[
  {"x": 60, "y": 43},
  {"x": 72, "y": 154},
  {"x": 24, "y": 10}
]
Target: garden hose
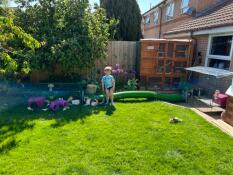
[{"x": 150, "y": 95}]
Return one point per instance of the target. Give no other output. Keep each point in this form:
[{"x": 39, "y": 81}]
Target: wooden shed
[{"x": 162, "y": 62}]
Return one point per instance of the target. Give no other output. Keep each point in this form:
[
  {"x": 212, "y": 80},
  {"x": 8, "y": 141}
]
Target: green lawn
[{"x": 137, "y": 138}]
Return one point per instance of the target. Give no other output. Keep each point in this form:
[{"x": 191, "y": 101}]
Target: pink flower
[{"x": 121, "y": 70}]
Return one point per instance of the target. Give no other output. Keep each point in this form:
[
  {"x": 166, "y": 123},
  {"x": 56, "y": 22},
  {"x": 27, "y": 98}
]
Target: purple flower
[
  {"x": 134, "y": 72},
  {"x": 121, "y": 70},
  {"x": 114, "y": 71}
]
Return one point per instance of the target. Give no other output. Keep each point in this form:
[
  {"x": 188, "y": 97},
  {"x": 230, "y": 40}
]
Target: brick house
[
  {"x": 171, "y": 13},
  {"x": 208, "y": 22}
]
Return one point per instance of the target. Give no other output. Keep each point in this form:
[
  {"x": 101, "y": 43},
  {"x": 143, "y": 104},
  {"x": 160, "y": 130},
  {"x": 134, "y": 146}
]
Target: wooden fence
[{"x": 124, "y": 53}]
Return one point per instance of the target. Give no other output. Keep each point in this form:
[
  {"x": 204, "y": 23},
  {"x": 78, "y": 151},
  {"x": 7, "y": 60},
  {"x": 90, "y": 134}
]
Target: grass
[{"x": 135, "y": 139}]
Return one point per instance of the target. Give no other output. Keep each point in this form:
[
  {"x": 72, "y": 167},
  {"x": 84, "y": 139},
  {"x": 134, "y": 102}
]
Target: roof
[
  {"x": 221, "y": 17},
  {"x": 178, "y": 40},
  {"x": 218, "y": 73},
  {"x": 154, "y": 7}
]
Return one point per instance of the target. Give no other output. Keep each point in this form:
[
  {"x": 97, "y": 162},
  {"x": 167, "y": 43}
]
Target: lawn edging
[{"x": 223, "y": 126}]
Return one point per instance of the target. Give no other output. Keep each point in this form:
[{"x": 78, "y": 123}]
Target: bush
[{"x": 122, "y": 76}]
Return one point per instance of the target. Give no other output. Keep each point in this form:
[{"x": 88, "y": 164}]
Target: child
[{"x": 108, "y": 84}]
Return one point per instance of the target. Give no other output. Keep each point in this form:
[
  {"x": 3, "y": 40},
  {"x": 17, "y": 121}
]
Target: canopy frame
[{"x": 218, "y": 73}]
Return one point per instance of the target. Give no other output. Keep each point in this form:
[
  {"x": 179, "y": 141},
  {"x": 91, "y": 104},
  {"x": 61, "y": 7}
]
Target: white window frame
[
  {"x": 157, "y": 15},
  {"x": 219, "y": 57},
  {"x": 170, "y": 4},
  {"x": 147, "y": 17},
  {"x": 184, "y": 6}
]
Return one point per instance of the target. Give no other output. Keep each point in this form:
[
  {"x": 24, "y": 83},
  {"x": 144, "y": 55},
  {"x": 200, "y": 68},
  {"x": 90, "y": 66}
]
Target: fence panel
[{"x": 124, "y": 53}]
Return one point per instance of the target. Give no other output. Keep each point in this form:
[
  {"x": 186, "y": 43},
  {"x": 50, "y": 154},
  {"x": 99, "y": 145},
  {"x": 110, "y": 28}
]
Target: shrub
[{"x": 122, "y": 76}]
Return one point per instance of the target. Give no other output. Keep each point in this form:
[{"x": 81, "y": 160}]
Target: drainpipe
[
  {"x": 194, "y": 48},
  {"x": 160, "y": 21}
]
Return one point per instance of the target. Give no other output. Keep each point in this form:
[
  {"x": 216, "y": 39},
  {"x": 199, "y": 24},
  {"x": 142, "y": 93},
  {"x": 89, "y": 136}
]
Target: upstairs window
[
  {"x": 148, "y": 20},
  {"x": 156, "y": 17},
  {"x": 184, "y": 6},
  {"x": 170, "y": 11}
]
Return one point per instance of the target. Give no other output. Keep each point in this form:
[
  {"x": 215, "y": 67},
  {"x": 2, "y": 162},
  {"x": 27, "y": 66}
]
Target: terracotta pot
[{"x": 91, "y": 89}]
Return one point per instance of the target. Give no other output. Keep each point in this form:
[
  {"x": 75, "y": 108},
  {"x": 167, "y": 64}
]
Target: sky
[{"x": 143, "y": 4}]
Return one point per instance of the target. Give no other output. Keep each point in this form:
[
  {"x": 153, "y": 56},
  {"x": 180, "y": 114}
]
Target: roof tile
[{"x": 218, "y": 18}]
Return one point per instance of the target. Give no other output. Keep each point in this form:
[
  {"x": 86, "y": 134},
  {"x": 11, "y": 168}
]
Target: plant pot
[{"x": 91, "y": 89}]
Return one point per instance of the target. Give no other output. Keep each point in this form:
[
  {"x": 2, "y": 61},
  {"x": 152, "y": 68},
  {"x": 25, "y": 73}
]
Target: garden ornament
[
  {"x": 70, "y": 99},
  {"x": 87, "y": 101},
  {"x": 175, "y": 120},
  {"x": 75, "y": 102},
  {"x": 55, "y": 105},
  {"x": 94, "y": 102},
  {"x": 38, "y": 102},
  {"x": 51, "y": 86}
]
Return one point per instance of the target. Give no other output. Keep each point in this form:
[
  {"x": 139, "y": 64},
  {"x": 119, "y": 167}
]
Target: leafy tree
[
  {"x": 16, "y": 47},
  {"x": 3, "y": 3},
  {"x": 74, "y": 36},
  {"x": 129, "y": 16}
]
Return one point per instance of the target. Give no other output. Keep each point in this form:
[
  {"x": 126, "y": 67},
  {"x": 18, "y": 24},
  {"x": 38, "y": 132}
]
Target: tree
[
  {"x": 16, "y": 47},
  {"x": 74, "y": 36},
  {"x": 3, "y": 3},
  {"x": 129, "y": 16}
]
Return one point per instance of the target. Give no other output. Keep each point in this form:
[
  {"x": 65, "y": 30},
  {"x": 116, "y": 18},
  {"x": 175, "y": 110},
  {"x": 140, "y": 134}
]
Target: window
[
  {"x": 170, "y": 11},
  {"x": 221, "y": 45},
  {"x": 156, "y": 17},
  {"x": 184, "y": 6},
  {"x": 219, "y": 52},
  {"x": 148, "y": 20}
]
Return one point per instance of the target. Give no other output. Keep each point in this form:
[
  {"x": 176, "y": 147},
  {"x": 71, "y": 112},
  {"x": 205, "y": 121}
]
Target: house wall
[
  {"x": 208, "y": 83},
  {"x": 152, "y": 30},
  {"x": 203, "y": 4},
  {"x": 173, "y": 23},
  {"x": 201, "y": 47}
]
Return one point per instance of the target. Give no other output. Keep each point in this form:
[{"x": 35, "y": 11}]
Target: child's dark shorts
[{"x": 109, "y": 88}]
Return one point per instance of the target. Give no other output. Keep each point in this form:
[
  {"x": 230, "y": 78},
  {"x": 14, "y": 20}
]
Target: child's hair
[{"x": 108, "y": 68}]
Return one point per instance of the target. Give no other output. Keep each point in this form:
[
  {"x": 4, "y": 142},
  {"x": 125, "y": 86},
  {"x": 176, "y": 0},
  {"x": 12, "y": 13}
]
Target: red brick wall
[
  {"x": 201, "y": 46},
  {"x": 203, "y": 4},
  {"x": 173, "y": 23},
  {"x": 152, "y": 30}
]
